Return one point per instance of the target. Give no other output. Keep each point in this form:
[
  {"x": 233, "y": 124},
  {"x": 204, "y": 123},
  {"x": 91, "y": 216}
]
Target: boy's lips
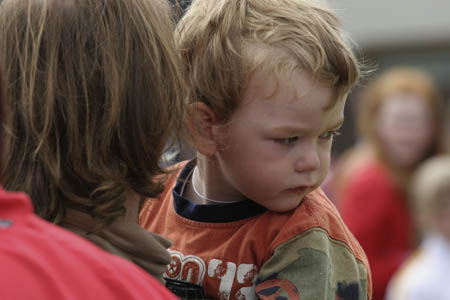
[{"x": 298, "y": 190}]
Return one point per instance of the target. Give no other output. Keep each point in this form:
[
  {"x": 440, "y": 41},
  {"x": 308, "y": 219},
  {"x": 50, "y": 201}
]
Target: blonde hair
[
  {"x": 217, "y": 38},
  {"x": 94, "y": 93},
  {"x": 430, "y": 184},
  {"x": 394, "y": 82}
]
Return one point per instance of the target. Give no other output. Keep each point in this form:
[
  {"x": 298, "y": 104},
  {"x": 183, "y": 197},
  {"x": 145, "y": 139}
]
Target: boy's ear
[{"x": 201, "y": 122}]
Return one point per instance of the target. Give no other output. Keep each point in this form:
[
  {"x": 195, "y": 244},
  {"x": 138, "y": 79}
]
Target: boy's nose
[{"x": 308, "y": 160}]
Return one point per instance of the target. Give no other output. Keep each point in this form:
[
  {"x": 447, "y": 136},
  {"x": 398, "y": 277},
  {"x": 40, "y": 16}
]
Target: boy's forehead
[{"x": 287, "y": 87}]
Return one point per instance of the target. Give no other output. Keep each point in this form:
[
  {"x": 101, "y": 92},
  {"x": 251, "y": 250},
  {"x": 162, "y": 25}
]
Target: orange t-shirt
[{"x": 243, "y": 251}]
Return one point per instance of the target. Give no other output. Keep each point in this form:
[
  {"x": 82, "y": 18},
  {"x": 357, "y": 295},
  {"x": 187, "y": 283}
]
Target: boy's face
[{"x": 276, "y": 148}]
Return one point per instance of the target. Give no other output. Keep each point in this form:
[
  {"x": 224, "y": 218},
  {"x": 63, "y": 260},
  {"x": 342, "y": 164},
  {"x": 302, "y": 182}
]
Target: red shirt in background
[{"x": 376, "y": 210}]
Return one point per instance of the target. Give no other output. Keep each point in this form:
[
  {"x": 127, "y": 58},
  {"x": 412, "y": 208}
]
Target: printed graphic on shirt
[
  {"x": 347, "y": 291},
  {"x": 224, "y": 274},
  {"x": 277, "y": 289},
  {"x": 186, "y": 276},
  {"x": 308, "y": 266}
]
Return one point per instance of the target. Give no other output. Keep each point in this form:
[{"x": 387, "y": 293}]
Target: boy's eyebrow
[{"x": 288, "y": 129}]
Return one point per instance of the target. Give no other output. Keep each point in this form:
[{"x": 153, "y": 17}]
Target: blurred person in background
[
  {"x": 94, "y": 94},
  {"x": 342, "y": 167},
  {"x": 401, "y": 124},
  {"x": 425, "y": 275}
]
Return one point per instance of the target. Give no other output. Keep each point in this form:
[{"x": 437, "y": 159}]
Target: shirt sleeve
[{"x": 312, "y": 266}]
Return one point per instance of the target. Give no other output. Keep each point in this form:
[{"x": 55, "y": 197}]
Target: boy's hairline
[
  {"x": 278, "y": 77},
  {"x": 280, "y": 70}
]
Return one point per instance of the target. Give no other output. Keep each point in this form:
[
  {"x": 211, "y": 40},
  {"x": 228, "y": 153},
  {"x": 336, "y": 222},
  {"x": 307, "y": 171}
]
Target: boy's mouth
[{"x": 298, "y": 190}]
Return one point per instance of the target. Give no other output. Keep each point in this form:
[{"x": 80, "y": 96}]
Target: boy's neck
[{"x": 210, "y": 184}]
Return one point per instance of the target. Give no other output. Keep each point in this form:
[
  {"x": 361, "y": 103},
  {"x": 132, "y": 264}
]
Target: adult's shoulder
[{"x": 45, "y": 261}]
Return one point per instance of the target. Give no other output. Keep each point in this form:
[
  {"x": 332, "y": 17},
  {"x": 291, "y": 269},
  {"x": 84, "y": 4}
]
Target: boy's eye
[
  {"x": 329, "y": 135},
  {"x": 287, "y": 141}
]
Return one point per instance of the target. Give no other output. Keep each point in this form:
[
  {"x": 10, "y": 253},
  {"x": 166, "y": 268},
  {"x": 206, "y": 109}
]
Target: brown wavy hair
[{"x": 94, "y": 95}]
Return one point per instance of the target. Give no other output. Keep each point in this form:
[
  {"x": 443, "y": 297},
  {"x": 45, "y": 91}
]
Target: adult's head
[
  {"x": 401, "y": 117},
  {"x": 94, "y": 93}
]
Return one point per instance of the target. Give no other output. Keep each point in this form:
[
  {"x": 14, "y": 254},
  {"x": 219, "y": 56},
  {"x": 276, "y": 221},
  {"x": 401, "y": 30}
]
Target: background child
[
  {"x": 401, "y": 124},
  {"x": 268, "y": 85},
  {"x": 94, "y": 93},
  {"x": 425, "y": 274}
]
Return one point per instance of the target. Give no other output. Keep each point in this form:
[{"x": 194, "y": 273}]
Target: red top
[
  {"x": 376, "y": 211},
  {"x": 42, "y": 261}
]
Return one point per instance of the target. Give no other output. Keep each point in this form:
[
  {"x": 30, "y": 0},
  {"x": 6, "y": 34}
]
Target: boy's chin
[{"x": 285, "y": 205}]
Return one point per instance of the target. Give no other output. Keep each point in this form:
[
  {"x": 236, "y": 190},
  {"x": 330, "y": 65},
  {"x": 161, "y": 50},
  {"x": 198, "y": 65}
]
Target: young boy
[
  {"x": 268, "y": 83},
  {"x": 425, "y": 274}
]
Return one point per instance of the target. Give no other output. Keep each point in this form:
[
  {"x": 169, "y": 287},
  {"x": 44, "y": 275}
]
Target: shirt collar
[{"x": 215, "y": 213}]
